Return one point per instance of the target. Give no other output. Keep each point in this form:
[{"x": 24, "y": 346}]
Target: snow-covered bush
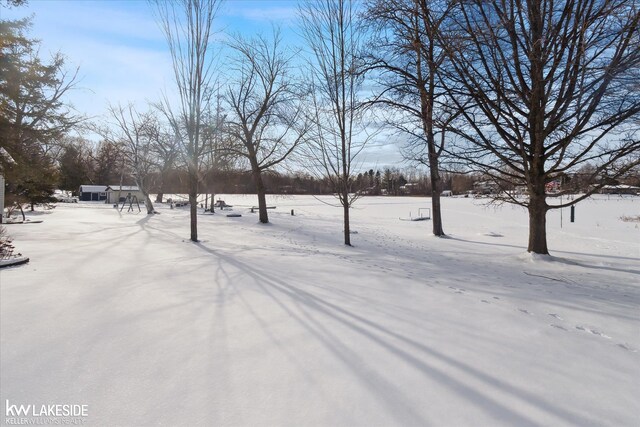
[{"x": 6, "y": 248}]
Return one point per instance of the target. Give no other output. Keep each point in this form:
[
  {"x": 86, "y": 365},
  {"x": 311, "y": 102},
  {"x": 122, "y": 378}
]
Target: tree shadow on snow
[
  {"x": 567, "y": 260},
  {"x": 305, "y": 311}
]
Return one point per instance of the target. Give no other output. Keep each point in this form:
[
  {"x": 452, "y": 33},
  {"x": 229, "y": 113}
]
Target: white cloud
[{"x": 117, "y": 45}]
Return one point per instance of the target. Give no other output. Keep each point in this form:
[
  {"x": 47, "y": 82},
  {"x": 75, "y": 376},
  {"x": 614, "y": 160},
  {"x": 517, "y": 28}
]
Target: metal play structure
[
  {"x": 131, "y": 200},
  {"x": 423, "y": 215}
]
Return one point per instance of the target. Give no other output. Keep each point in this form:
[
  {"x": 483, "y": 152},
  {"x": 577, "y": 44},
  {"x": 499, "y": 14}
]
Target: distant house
[
  {"x": 620, "y": 189},
  {"x": 118, "y": 194},
  {"x": 485, "y": 187},
  {"x": 93, "y": 193},
  {"x": 411, "y": 188},
  {"x": 552, "y": 187}
]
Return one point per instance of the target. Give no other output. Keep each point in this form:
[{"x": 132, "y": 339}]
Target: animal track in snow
[
  {"x": 558, "y": 327},
  {"x": 557, "y": 316},
  {"x": 627, "y": 347},
  {"x": 522, "y": 310},
  {"x": 592, "y": 331}
]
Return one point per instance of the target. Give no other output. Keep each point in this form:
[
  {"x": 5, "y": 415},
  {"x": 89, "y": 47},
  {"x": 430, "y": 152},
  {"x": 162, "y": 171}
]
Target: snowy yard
[{"x": 281, "y": 325}]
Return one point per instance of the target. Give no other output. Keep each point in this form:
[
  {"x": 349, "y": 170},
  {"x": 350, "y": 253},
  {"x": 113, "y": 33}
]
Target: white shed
[{"x": 118, "y": 194}]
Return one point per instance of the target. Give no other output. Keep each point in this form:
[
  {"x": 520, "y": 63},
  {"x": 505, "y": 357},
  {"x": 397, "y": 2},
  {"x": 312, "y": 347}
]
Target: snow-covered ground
[{"x": 282, "y": 325}]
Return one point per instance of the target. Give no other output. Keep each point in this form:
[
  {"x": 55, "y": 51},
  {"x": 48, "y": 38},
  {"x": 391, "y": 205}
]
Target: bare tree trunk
[
  {"x": 434, "y": 167},
  {"x": 538, "y": 220},
  {"x": 160, "y": 194},
  {"x": 193, "y": 205},
  {"x": 435, "y": 196},
  {"x": 347, "y": 226},
  {"x": 148, "y": 203},
  {"x": 345, "y": 194},
  {"x": 262, "y": 199},
  {"x": 147, "y": 199}
]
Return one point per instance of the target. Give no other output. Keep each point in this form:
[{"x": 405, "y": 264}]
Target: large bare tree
[
  {"x": 135, "y": 132},
  {"x": 405, "y": 57},
  {"x": 165, "y": 149},
  {"x": 188, "y": 29},
  {"x": 339, "y": 134},
  {"x": 552, "y": 88},
  {"x": 266, "y": 116}
]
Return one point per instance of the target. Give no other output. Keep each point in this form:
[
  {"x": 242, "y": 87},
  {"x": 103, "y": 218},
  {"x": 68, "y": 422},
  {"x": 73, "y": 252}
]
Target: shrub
[{"x": 6, "y": 248}]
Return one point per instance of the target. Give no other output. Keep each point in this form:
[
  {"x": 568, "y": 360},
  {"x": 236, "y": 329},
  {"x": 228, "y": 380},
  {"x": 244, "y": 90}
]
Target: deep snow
[{"x": 281, "y": 324}]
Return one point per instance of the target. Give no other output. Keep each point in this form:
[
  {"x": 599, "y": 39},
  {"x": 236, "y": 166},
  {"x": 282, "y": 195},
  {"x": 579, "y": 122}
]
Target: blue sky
[
  {"x": 122, "y": 53},
  {"x": 119, "y": 48}
]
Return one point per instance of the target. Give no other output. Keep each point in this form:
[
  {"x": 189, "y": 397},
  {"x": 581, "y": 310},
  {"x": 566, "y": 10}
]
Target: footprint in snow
[
  {"x": 556, "y": 316},
  {"x": 592, "y": 331},
  {"x": 627, "y": 347},
  {"x": 485, "y": 301},
  {"x": 496, "y": 298},
  {"x": 558, "y": 327},
  {"x": 525, "y": 311}
]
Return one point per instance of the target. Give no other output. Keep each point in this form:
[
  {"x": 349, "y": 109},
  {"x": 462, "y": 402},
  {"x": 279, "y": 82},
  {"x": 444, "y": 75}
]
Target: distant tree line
[{"x": 81, "y": 161}]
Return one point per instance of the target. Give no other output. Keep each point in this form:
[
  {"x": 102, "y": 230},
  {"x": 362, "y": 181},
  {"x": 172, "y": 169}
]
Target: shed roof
[
  {"x": 93, "y": 188},
  {"x": 123, "y": 188}
]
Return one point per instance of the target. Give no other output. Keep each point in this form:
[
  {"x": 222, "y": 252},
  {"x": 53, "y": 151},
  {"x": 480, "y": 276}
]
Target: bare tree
[
  {"x": 339, "y": 129},
  {"x": 406, "y": 57},
  {"x": 135, "y": 132},
  {"x": 265, "y": 107},
  {"x": 165, "y": 149},
  {"x": 552, "y": 87},
  {"x": 219, "y": 158},
  {"x": 188, "y": 29}
]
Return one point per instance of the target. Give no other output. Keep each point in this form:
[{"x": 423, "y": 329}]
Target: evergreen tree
[
  {"x": 33, "y": 115},
  {"x": 109, "y": 164},
  {"x": 73, "y": 168}
]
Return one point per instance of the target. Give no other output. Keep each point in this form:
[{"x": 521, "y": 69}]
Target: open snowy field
[{"x": 282, "y": 325}]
